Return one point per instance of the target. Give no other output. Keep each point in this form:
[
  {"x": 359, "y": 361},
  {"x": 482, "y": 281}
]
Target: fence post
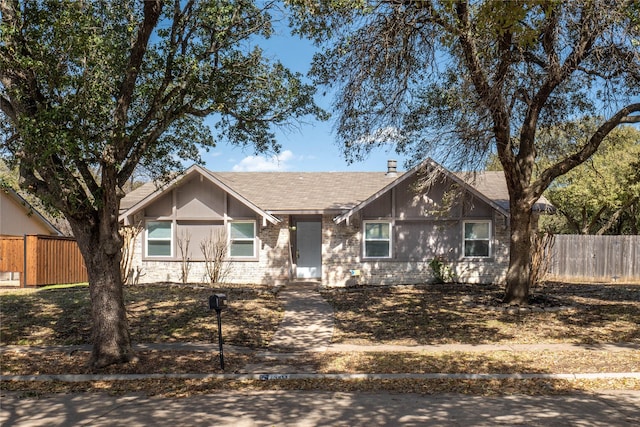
[
  {"x": 23, "y": 276},
  {"x": 31, "y": 260}
]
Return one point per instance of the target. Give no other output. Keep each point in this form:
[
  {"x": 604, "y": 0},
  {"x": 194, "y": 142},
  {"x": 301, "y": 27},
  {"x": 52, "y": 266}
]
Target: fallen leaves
[
  {"x": 459, "y": 313},
  {"x": 156, "y": 313}
]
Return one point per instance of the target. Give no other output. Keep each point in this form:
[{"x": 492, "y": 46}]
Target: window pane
[
  {"x": 476, "y": 230},
  {"x": 241, "y": 249},
  {"x": 242, "y": 230},
  {"x": 159, "y": 230},
  {"x": 378, "y": 230},
  {"x": 476, "y": 248},
  {"x": 376, "y": 249},
  {"x": 159, "y": 248}
]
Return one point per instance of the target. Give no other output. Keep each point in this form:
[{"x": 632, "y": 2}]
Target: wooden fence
[
  {"x": 42, "y": 260},
  {"x": 595, "y": 258}
]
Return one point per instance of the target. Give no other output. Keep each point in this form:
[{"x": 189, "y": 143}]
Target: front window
[
  {"x": 477, "y": 238},
  {"x": 242, "y": 239},
  {"x": 159, "y": 239},
  {"x": 377, "y": 240}
]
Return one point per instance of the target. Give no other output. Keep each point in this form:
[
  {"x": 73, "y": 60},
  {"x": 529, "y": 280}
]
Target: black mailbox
[{"x": 217, "y": 302}]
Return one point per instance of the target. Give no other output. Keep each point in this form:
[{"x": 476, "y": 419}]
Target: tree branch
[
  {"x": 570, "y": 162},
  {"x": 616, "y": 215},
  {"x": 152, "y": 10}
]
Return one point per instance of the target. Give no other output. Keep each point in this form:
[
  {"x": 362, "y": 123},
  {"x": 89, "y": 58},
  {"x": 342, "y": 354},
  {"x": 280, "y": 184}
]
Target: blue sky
[{"x": 312, "y": 146}]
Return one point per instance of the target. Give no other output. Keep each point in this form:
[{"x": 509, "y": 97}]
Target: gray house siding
[
  {"x": 416, "y": 244},
  {"x": 270, "y": 266},
  {"x": 195, "y": 209}
]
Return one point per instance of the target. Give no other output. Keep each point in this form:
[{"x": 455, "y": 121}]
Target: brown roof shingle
[
  {"x": 311, "y": 191},
  {"x": 327, "y": 191}
]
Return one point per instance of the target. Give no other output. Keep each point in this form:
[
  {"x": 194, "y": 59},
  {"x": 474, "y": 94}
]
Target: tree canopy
[
  {"x": 601, "y": 196},
  {"x": 127, "y": 82},
  {"x": 89, "y": 90},
  {"x": 459, "y": 80}
]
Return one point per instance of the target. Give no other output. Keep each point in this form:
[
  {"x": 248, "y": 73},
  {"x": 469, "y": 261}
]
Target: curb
[{"x": 265, "y": 377}]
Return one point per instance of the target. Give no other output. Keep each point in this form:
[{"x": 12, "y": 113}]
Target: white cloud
[{"x": 277, "y": 163}]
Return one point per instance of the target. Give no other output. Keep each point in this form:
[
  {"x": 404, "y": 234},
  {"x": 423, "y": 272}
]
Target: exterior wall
[
  {"x": 270, "y": 267},
  {"x": 342, "y": 253},
  {"x": 424, "y": 226},
  {"x": 15, "y": 219}
]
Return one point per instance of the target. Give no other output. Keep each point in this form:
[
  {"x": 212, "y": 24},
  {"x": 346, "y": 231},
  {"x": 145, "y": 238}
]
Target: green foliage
[
  {"x": 459, "y": 80},
  {"x": 442, "y": 273},
  {"x": 88, "y": 86},
  {"x": 91, "y": 90},
  {"x": 601, "y": 196}
]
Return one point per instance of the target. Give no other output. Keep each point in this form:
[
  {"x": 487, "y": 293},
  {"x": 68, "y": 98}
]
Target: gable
[
  {"x": 18, "y": 217},
  {"x": 441, "y": 199},
  {"x": 199, "y": 198},
  {"x": 446, "y": 196},
  {"x": 196, "y": 194}
]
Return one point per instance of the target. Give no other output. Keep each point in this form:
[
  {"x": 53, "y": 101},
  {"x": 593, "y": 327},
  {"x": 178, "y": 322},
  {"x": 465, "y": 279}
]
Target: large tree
[
  {"x": 602, "y": 195},
  {"x": 460, "y": 79},
  {"x": 91, "y": 89}
]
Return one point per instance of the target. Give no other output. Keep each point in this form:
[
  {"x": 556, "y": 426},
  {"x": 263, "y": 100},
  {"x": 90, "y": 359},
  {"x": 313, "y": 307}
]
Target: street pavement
[{"x": 315, "y": 408}]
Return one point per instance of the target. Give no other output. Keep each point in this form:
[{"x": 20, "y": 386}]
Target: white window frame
[
  {"x": 148, "y": 239},
  {"x": 365, "y": 240},
  {"x": 253, "y": 240},
  {"x": 489, "y": 239}
]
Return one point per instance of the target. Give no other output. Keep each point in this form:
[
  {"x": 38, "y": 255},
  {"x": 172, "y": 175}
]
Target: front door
[{"x": 309, "y": 250}]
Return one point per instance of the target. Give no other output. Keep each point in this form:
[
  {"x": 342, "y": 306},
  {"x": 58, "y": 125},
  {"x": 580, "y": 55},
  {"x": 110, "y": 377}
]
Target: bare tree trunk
[
  {"x": 110, "y": 331},
  {"x": 519, "y": 272},
  {"x": 100, "y": 243}
]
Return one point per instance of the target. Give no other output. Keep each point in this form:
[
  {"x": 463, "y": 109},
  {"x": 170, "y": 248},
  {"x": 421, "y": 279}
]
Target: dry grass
[
  {"x": 447, "y": 314},
  {"x": 184, "y": 388},
  {"x": 156, "y": 313},
  {"x": 200, "y": 362},
  {"x": 428, "y": 314}
]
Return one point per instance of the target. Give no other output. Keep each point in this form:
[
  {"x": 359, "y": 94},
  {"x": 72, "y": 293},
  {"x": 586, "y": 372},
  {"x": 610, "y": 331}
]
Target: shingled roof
[
  {"x": 309, "y": 191},
  {"x": 276, "y": 192},
  {"x": 290, "y": 191}
]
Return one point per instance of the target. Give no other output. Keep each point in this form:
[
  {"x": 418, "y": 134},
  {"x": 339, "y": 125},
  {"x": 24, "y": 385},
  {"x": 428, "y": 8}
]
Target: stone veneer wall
[{"x": 272, "y": 266}]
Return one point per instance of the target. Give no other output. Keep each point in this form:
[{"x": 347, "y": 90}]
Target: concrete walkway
[
  {"x": 307, "y": 326},
  {"x": 308, "y": 320}
]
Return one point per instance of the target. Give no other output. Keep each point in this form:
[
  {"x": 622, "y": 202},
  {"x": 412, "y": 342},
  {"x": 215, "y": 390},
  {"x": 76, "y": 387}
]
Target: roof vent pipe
[{"x": 392, "y": 169}]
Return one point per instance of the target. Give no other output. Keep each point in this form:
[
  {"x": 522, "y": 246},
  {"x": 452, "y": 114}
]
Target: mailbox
[{"x": 217, "y": 302}]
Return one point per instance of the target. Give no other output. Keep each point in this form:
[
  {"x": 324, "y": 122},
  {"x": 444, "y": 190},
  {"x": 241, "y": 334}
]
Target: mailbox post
[{"x": 218, "y": 302}]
